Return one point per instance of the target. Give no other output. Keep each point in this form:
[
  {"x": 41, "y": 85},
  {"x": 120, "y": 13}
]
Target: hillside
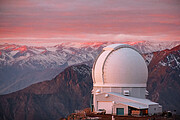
[
  {"x": 49, "y": 100},
  {"x": 164, "y": 78}
]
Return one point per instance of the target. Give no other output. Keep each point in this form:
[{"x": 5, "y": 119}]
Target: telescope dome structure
[
  {"x": 119, "y": 65},
  {"x": 119, "y": 82}
]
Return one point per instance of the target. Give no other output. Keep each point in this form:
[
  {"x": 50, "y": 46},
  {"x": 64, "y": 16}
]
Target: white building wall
[
  {"x": 116, "y": 102},
  {"x": 112, "y": 99},
  {"x": 134, "y": 92},
  {"x": 106, "y": 89},
  {"x": 115, "y": 106},
  {"x": 116, "y": 90},
  {"x": 154, "y": 109},
  {"x": 160, "y": 109},
  {"x": 138, "y": 92},
  {"x": 107, "y": 105}
]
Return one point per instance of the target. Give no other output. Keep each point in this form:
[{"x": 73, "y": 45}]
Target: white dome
[{"x": 119, "y": 65}]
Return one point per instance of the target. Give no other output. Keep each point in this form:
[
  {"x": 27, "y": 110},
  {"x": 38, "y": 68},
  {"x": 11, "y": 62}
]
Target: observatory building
[{"x": 119, "y": 82}]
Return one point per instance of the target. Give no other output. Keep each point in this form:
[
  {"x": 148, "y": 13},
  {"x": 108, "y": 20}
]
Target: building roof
[
  {"x": 134, "y": 102},
  {"x": 119, "y": 65},
  {"x": 134, "y": 105}
]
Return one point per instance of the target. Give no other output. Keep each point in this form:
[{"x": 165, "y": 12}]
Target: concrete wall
[
  {"x": 120, "y": 106},
  {"x": 107, "y": 105},
  {"x": 154, "y": 109},
  {"x": 134, "y": 92},
  {"x": 160, "y": 109},
  {"x": 113, "y": 99},
  {"x": 116, "y": 90}
]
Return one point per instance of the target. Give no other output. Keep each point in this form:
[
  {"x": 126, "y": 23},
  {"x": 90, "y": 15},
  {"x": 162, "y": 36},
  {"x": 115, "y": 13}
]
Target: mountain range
[
  {"x": 21, "y": 66},
  {"x": 70, "y": 90}
]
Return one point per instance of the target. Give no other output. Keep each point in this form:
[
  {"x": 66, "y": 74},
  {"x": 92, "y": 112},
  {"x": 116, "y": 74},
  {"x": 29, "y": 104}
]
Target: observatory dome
[{"x": 119, "y": 65}]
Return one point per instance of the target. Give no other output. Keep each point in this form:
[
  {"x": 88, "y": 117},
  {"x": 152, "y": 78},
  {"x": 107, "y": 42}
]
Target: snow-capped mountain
[
  {"x": 21, "y": 66},
  {"x": 149, "y": 47},
  {"x": 64, "y": 53},
  {"x": 47, "y": 57},
  {"x": 71, "y": 90}
]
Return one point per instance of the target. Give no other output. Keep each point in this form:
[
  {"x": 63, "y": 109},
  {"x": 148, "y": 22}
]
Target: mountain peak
[
  {"x": 8, "y": 47},
  {"x": 94, "y": 44},
  {"x": 21, "y": 49}
]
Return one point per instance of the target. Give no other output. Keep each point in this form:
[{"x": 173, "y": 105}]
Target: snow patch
[
  {"x": 148, "y": 58},
  {"x": 163, "y": 63}
]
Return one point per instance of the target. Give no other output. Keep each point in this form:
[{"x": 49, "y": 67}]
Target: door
[
  {"x": 105, "y": 105},
  {"x": 119, "y": 111}
]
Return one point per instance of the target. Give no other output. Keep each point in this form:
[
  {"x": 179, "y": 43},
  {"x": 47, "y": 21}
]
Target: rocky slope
[
  {"x": 164, "y": 78},
  {"x": 49, "y": 100}
]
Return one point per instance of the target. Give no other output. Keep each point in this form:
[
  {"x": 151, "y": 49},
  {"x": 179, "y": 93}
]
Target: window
[
  {"x": 91, "y": 103},
  {"x": 126, "y": 92}
]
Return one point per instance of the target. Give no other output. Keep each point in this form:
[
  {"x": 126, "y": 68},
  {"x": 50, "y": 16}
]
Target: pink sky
[{"x": 85, "y": 20}]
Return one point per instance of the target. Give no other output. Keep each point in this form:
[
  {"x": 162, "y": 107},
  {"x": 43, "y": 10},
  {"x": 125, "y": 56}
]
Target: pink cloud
[{"x": 53, "y": 19}]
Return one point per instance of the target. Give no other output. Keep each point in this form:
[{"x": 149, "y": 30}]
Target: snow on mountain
[
  {"x": 21, "y": 66},
  {"x": 65, "y": 53},
  {"x": 172, "y": 60},
  {"x": 48, "y": 57},
  {"x": 149, "y": 47},
  {"x": 148, "y": 57}
]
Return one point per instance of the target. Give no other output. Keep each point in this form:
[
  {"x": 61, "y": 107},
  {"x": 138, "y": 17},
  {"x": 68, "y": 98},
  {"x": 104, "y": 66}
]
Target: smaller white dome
[{"x": 120, "y": 65}]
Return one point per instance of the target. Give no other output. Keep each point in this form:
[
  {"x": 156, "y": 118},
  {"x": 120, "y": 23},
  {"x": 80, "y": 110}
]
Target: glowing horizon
[{"x": 85, "y": 38}]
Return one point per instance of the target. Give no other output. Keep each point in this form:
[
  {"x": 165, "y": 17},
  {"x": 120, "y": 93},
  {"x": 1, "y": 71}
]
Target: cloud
[{"x": 52, "y": 19}]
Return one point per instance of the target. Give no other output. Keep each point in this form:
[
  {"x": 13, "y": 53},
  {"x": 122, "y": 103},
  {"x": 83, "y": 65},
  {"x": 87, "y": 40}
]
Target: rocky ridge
[{"x": 49, "y": 100}]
